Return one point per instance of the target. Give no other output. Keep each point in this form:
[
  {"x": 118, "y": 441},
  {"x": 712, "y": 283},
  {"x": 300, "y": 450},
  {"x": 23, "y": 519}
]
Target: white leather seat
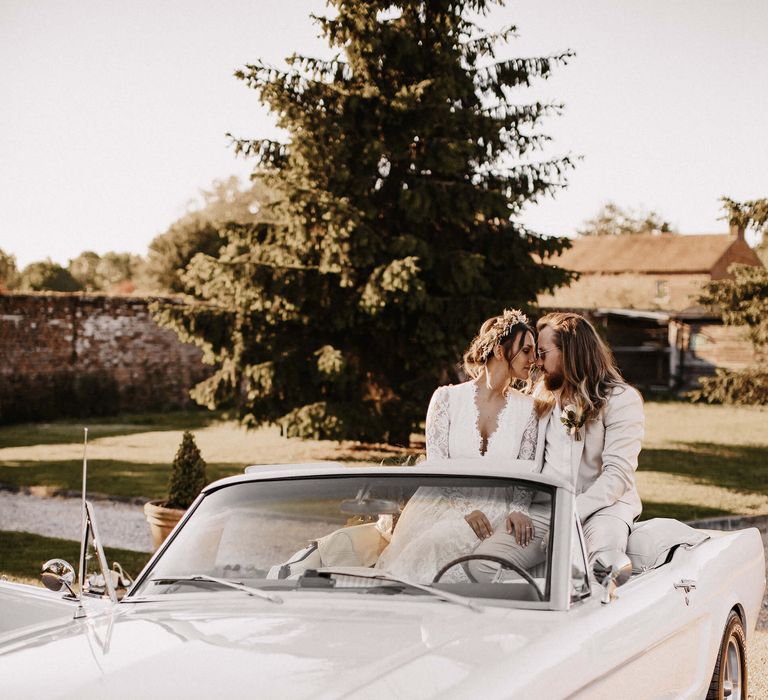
[
  {"x": 652, "y": 541},
  {"x": 356, "y": 545}
]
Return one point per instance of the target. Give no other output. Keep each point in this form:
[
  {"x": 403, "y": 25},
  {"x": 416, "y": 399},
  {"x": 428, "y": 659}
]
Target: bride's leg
[{"x": 422, "y": 557}]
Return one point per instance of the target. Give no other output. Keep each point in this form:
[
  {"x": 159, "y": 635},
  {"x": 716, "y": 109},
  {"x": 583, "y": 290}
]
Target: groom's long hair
[{"x": 589, "y": 368}]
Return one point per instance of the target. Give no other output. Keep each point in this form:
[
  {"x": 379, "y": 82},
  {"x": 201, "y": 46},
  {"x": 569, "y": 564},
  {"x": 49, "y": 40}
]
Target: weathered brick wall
[
  {"x": 709, "y": 345},
  {"x": 84, "y": 354}
]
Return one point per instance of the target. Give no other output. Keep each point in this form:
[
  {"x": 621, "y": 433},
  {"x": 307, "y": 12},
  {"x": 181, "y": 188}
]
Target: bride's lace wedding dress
[{"x": 432, "y": 530}]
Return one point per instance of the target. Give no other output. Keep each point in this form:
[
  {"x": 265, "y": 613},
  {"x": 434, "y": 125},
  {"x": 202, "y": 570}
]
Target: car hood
[{"x": 311, "y": 646}]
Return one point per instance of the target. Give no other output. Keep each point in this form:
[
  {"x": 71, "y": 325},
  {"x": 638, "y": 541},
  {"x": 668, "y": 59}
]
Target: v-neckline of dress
[{"x": 476, "y": 423}]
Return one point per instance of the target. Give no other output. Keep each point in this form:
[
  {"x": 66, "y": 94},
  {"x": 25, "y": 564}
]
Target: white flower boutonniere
[{"x": 573, "y": 418}]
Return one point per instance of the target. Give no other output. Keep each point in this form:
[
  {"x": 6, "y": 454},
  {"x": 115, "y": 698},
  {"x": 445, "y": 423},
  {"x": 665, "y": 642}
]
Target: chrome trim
[{"x": 687, "y": 585}]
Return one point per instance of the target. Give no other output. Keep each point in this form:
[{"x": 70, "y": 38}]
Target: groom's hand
[
  {"x": 480, "y": 524},
  {"x": 522, "y": 526}
]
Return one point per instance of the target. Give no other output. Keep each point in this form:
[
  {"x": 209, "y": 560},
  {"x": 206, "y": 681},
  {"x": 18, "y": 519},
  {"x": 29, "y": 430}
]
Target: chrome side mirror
[
  {"x": 612, "y": 569},
  {"x": 56, "y": 574}
]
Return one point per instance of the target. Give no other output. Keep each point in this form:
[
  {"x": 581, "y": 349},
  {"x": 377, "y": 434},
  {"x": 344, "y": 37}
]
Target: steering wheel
[{"x": 505, "y": 564}]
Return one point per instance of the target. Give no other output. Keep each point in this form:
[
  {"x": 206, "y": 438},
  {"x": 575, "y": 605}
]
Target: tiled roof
[{"x": 645, "y": 253}]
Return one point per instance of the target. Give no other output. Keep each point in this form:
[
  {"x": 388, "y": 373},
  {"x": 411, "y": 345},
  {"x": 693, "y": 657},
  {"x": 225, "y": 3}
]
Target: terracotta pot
[{"x": 161, "y": 520}]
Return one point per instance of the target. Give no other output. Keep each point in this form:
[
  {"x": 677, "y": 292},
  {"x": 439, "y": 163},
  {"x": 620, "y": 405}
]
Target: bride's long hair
[
  {"x": 589, "y": 369},
  {"x": 504, "y": 330}
]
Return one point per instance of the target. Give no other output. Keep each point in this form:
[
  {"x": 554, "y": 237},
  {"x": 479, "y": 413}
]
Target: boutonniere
[{"x": 573, "y": 418}]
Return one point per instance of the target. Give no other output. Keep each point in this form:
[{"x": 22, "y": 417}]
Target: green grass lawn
[
  {"x": 22, "y": 554},
  {"x": 71, "y": 430},
  {"x": 680, "y": 511},
  {"x": 737, "y": 467},
  {"x": 124, "y": 480}
]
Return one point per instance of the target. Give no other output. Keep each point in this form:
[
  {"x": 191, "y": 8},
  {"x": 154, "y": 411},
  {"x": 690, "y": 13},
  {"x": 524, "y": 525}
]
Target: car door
[{"x": 649, "y": 642}]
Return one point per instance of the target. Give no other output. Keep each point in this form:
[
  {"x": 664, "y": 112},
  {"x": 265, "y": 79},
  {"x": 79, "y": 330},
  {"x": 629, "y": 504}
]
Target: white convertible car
[{"x": 268, "y": 588}]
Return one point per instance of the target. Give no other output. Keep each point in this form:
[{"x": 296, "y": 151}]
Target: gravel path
[{"x": 121, "y": 525}]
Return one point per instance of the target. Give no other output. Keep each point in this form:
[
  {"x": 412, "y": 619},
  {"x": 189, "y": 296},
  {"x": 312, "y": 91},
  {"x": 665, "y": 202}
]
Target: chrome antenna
[{"x": 84, "y": 521}]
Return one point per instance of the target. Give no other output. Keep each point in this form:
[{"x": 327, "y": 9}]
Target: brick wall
[
  {"x": 707, "y": 345},
  {"x": 84, "y": 354}
]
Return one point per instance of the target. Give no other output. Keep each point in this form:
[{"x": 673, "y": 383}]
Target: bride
[{"x": 483, "y": 418}]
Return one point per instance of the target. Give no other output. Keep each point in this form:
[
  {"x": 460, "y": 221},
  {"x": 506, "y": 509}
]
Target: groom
[
  {"x": 597, "y": 446},
  {"x": 578, "y": 369}
]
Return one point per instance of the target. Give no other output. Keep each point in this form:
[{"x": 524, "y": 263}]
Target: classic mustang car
[{"x": 331, "y": 581}]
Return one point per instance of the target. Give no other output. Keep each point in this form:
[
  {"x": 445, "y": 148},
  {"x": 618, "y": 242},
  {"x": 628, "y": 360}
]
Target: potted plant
[{"x": 187, "y": 479}]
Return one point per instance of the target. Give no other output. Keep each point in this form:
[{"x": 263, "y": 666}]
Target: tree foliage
[
  {"x": 198, "y": 230},
  {"x": 9, "y": 272},
  {"x": 111, "y": 272},
  {"x": 84, "y": 269},
  {"x": 741, "y": 300},
  {"x": 49, "y": 276},
  {"x": 394, "y": 233},
  {"x": 747, "y": 387},
  {"x": 612, "y": 220},
  {"x": 117, "y": 272},
  {"x": 750, "y": 215}
]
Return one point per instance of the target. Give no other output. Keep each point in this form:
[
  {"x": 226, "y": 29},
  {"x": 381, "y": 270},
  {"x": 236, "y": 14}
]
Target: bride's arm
[
  {"x": 438, "y": 425},
  {"x": 521, "y": 499},
  {"x": 522, "y": 496}
]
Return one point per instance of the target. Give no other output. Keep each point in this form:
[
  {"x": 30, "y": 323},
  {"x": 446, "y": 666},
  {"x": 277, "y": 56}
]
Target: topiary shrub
[
  {"x": 188, "y": 474},
  {"x": 744, "y": 387}
]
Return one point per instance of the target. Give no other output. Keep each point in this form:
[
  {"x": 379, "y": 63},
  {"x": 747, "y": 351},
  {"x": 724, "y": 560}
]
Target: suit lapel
[
  {"x": 577, "y": 450},
  {"x": 541, "y": 439}
]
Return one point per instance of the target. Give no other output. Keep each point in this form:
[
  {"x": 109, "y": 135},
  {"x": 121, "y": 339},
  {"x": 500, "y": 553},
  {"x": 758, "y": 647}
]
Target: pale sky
[{"x": 113, "y": 113}]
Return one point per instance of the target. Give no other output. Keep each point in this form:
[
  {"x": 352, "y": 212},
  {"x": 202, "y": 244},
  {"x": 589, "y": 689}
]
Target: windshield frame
[{"x": 555, "y": 589}]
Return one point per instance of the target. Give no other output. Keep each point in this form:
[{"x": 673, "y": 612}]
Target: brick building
[
  {"x": 662, "y": 272},
  {"x": 642, "y": 291}
]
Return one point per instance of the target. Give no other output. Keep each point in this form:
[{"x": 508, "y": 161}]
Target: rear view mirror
[
  {"x": 370, "y": 506},
  {"x": 363, "y": 505}
]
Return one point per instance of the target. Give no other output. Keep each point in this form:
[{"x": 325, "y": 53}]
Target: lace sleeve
[
  {"x": 438, "y": 425},
  {"x": 521, "y": 497},
  {"x": 530, "y": 437}
]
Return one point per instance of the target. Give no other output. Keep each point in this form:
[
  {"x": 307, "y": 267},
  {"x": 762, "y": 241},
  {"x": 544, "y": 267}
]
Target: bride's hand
[
  {"x": 479, "y": 523},
  {"x": 522, "y": 526}
]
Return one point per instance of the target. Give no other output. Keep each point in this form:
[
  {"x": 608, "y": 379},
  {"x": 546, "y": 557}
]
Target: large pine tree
[{"x": 408, "y": 160}]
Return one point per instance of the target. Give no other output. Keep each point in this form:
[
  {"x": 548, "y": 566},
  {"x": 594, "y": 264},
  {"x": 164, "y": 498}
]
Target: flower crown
[{"x": 500, "y": 330}]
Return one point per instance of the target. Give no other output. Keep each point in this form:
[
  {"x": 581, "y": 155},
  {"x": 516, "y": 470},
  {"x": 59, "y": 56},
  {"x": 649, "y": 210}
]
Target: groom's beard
[{"x": 553, "y": 380}]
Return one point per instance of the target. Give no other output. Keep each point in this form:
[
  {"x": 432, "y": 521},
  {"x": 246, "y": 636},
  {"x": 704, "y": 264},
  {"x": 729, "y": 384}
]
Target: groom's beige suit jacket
[{"x": 604, "y": 461}]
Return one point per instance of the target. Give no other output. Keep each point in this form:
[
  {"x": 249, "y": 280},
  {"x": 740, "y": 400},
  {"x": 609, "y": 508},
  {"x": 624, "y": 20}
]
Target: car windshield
[{"x": 366, "y": 534}]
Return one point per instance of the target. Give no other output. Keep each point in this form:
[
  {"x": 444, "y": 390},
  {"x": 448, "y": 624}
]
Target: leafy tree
[
  {"x": 752, "y": 214},
  {"x": 84, "y": 269},
  {"x": 198, "y": 230},
  {"x": 612, "y": 220},
  {"x": 394, "y": 233},
  {"x": 741, "y": 300},
  {"x": 116, "y": 271},
  {"x": 9, "y": 272},
  {"x": 112, "y": 272},
  {"x": 47, "y": 276}
]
